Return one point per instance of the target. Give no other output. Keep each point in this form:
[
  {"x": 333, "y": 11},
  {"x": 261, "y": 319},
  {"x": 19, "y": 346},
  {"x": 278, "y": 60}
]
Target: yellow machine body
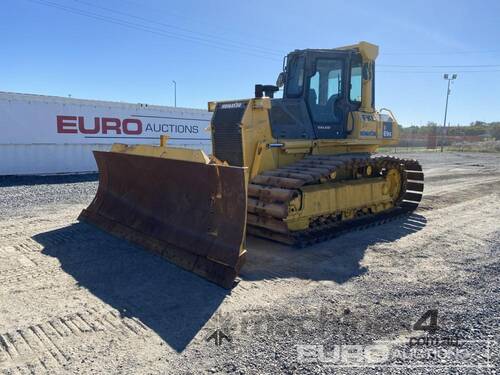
[{"x": 289, "y": 189}]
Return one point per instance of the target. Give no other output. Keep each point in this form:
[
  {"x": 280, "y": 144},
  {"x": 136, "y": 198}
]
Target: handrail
[{"x": 390, "y": 112}]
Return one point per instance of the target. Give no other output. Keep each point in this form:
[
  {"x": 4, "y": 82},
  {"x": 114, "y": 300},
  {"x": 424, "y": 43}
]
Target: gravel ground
[{"x": 76, "y": 300}]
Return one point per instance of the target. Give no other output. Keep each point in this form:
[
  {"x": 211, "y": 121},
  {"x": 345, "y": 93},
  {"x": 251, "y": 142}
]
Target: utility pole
[
  {"x": 175, "y": 93},
  {"x": 449, "y": 78}
]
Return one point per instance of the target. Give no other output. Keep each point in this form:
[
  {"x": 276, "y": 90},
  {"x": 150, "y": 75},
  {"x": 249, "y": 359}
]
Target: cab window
[
  {"x": 355, "y": 91},
  {"x": 325, "y": 88},
  {"x": 295, "y": 77}
]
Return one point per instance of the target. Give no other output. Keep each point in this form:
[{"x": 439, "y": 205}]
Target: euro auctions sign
[
  {"x": 36, "y": 119},
  {"x": 101, "y": 125},
  {"x": 106, "y": 127}
]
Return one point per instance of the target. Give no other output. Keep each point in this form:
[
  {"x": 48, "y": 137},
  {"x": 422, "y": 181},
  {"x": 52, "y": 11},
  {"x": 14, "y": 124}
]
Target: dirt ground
[{"x": 76, "y": 300}]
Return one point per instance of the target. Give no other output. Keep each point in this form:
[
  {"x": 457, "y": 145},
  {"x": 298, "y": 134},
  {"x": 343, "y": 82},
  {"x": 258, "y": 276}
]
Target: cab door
[{"x": 327, "y": 83}]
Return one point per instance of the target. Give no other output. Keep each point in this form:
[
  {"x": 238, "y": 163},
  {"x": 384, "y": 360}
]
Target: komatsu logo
[
  {"x": 102, "y": 125},
  {"x": 230, "y": 105}
]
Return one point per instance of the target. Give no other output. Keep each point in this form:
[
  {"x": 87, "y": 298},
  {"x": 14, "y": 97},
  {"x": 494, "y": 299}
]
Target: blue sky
[{"x": 131, "y": 50}]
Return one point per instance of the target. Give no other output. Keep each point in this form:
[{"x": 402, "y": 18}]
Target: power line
[
  {"x": 224, "y": 43},
  {"x": 206, "y": 35},
  {"x": 441, "y": 52},
  {"x": 220, "y": 27},
  {"x": 441, "y": 66},
  {"x": 149, "y": 29},
  {"x": 436, "y": 71}
]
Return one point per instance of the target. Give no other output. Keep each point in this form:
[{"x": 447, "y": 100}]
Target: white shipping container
[{"x": 48, "y": 134}]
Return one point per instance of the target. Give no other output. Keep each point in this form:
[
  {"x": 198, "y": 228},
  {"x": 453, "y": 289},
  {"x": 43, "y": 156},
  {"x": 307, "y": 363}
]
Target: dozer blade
[{"x": 193, "y": 214}]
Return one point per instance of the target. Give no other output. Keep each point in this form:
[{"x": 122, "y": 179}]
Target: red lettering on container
[
  {"x": 110, "y": 124},
  {"x": 83, "y": 130},
  {"x": 66, "y": 124},
  {"x": 130, "y": 130}
]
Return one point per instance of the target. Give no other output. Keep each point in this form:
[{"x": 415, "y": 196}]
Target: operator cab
[{"x": 320, "y": 88}]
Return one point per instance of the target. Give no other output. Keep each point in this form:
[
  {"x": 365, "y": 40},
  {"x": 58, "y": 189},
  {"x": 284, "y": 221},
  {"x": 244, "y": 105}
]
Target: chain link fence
[{"x": 434, "y": 143}]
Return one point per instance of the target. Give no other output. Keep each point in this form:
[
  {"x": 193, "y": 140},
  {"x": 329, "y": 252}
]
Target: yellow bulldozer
[{"x": 297, "y": 169}]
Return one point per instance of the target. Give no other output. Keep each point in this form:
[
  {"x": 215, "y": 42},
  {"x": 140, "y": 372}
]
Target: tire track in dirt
[
  {"x": 43, "y": 219},
  {"x": 24, "y": 237},
  {"x": 447, "y": 195},
  {"x": 46, "y": 347},
  {"x": 30, "y": 263},
  {"x": 25, "y": 275}
]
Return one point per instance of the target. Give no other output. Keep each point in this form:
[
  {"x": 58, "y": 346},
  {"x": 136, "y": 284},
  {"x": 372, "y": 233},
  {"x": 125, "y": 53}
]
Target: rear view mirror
[{"x": 280, "y": 81}]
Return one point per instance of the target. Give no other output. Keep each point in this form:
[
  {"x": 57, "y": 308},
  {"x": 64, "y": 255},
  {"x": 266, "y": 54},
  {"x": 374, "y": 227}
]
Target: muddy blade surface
[{"x": 191, "y": 213}]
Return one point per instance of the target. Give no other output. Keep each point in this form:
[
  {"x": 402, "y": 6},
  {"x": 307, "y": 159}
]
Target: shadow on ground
[
  {"x": 336, "y": 260},
  {"x": 172, "y": 302},
  {"x": 177, "y": 304}
]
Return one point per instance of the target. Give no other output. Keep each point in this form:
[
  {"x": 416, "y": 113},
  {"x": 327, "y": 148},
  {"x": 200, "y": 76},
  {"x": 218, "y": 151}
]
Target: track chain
[{"x": 271, "y": 192}]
